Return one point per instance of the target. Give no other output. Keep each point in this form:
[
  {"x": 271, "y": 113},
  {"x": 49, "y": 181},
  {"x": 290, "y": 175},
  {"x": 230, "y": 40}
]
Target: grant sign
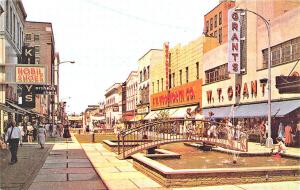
[
  {"x": 30, "y": 74},
  {"x": 234, "y": 53}
]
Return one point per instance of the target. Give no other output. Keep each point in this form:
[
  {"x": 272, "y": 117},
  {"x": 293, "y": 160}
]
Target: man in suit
[{"x": 13, "y": 136}]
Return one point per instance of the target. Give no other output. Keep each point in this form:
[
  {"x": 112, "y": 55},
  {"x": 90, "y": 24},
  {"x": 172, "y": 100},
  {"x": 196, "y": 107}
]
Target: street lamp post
[
  {"x": 269, "y": 141},
  {"x": 53, "y": 85}
]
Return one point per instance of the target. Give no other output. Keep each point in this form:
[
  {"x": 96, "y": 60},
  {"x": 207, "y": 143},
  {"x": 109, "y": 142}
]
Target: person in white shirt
[
  {"x": 21, "y": 127},
  {"x": 13, "y": 136}
]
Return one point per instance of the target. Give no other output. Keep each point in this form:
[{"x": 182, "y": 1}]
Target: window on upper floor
[
  {"x": 157, "y": 85},
  {"x": 27, "y": 37},
  {"x": 162, "y": 84},
  {"x": 180, "y": 77},
  {"x": 187, "y": 74},
  {"x": 141, "y": 76},
  {"x": 207, "y": 26},
  {"x": 148, "y": 71},
  {"x": 173, "y": 79},
  {"x": 220, "y": 35},
  {"x": 7, "y": 17},
  {"x": 216, "y": 74},
  {"x": 36, "y": 37},
  {"x": 282, "y": 53},
  {"x": 211, "y": 24},
  {"x": 197, "y": 70},
  {"x": 220, "y": 18},
  {"x": 216, "y": 21},
  {"x": 37, "y": 50}
]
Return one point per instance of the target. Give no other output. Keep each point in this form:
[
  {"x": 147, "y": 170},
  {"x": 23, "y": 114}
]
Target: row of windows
[
  {"x": 216, "y": 74},
  {"x": 130, "y": 104},
  {"x": 172, "y": 79},
  {"x": 217, "y": 34},
  {"x": 13, "y": 26},
  {"x": 145, "y": 74},
  {"x": 28, "y": 37},
  {"x": 110, "y": 101},
  {"x": 213, "y": 22},
  {"x": 283, "y": 53},
  {"x": 131, "y": 90}
]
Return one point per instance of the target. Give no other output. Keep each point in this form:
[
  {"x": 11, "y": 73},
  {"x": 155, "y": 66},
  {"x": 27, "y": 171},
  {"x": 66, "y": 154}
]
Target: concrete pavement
[{"x": 67, "y": 168}]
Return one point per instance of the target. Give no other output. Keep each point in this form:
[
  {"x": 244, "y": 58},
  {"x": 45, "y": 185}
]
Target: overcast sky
[{"x": 107, "y": 37}]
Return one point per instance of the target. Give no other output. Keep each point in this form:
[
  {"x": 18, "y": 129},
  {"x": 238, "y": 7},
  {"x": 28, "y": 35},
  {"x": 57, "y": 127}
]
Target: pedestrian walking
[
  {"x": 13, "y": 136},
  {"x": 188, "y": 123},
  {"x": 41, "y": 136},
  {"x": 262, "y": 132},
  {"x": 288, "y": 135},
  {"x": 29, "y": 132},
  {"x": 281, "y": 131},
  {"x": 66, "y": 134},
  {"x": 21, "y": 127}
]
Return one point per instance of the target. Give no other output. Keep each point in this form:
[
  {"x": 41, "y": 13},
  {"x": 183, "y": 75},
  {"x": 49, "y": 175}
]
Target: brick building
[{"x": 40, "y": 35}]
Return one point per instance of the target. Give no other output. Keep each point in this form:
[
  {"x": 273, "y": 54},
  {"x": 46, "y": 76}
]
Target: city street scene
[{"x": 153, "y": 95}]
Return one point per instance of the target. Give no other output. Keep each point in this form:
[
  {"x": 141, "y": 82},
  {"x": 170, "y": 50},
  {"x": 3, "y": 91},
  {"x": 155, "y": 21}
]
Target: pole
[{"x": 269, "y": 140}]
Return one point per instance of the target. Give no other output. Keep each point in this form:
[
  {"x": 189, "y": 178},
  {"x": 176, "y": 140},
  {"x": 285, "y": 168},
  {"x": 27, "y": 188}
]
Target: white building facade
[{"x": 113, "y": 104}]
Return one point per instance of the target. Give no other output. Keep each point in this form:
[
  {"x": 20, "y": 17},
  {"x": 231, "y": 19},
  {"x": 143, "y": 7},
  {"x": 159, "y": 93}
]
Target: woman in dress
[
  {"x": 41, "y": 133},
  {"x": 66, "y": 134},
  {"x": 288, "y": 135},
  {"x": 29, "y": 132}
]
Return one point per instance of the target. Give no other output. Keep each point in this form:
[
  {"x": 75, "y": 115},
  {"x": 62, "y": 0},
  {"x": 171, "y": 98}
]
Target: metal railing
[{"x": 156, "y": 133}]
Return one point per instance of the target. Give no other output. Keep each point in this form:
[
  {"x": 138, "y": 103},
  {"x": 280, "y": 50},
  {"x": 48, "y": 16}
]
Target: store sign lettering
[
  {"x": 233, "y": 42},
  {"x": 182, "y": 95},
  {"x": 30, "y": 75},
  {"x": 236, "y": 91}
]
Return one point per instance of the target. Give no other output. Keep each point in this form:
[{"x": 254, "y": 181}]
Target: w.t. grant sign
[
  {"x": 186, "y": 94},
  {"x": 247, "y": 89}
]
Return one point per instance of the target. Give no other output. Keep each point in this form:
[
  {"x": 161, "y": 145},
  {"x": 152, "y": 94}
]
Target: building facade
[
  {"x": 12, "y": 22},
  {"x": 244, "y": 96},
  {"x": 113, "y": 104},
  {"x": 40, "y": 36},
  {"x": 131, "y": 96},
  {"x": 180, "y": 84},
  {"x": 151, "y": 58}
]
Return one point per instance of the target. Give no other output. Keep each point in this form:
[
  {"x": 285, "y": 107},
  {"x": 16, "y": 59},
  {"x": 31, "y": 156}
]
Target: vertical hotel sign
[
  {"x": 167, "y": 59},
  {"x": 234, "y": 53}
]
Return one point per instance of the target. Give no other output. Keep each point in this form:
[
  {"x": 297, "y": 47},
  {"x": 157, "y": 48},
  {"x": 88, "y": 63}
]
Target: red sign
[
  {"x": 30, "y": 74},
  {"x": 167, "y": 59},
  {"x": 186, "y": 94}
]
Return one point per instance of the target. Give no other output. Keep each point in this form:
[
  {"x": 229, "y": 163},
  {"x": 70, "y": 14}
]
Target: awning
[
  {"x": 7, "y": 109},
  {"x": 151, "y": 115},
  {"x": 278, "y": 109},
  {"x": 18, "y": 108},
  {"x": 220, "y": 112},
  {"x": 128, "y": 117},
  {"x": 180, "y": 112}
]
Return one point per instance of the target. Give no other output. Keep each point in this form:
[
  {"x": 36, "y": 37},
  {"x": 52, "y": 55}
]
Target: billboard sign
[
  {"x": 30, "y": 74},
  {"x": 234, "y": 53}
]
